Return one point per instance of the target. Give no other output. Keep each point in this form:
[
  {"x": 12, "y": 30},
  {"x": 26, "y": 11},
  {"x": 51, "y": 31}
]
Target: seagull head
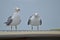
[
  {"x": 17, "y": 9},
  {"x": 36, "y": 14}
]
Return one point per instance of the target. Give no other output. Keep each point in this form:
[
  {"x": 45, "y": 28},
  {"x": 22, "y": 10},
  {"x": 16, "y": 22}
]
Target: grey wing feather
[
  {"x": 30, "y": 17},
  {"x": 9, "y": 18},
  {"x": 9, "y": 21},
  {"x": 40, "y": 22},
  {"x": 29, "y": 21}
]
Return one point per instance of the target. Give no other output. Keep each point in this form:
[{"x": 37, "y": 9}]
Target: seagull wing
[
  {"x": 29, "y": 21},
  {"x": 9, "y": 21},
  {"x": 40, "y": 22}
]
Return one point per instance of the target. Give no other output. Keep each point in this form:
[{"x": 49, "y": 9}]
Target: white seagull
[
  {"x": 35, "y": 20},
  {"x": 14, "y": 20}
]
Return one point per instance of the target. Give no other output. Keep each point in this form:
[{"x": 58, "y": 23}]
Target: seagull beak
[{"x": 18, "y": 10}]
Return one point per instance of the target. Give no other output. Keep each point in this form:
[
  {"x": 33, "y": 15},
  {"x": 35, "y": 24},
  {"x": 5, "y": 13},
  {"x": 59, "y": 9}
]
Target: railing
[{"x": 26, "y": 30}]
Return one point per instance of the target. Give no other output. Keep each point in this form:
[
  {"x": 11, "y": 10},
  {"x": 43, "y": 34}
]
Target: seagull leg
[
  {"x": 16, "y": 28},
  {"x": 11, "y": 28},
  {"x": 37, "y": 28},
  {"x": 31, "y": 27}
]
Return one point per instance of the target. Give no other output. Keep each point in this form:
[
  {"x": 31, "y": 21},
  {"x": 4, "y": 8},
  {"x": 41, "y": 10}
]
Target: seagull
[
  {"x": 14, "y": 20},
  {"x": 35, "y": 20}
]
